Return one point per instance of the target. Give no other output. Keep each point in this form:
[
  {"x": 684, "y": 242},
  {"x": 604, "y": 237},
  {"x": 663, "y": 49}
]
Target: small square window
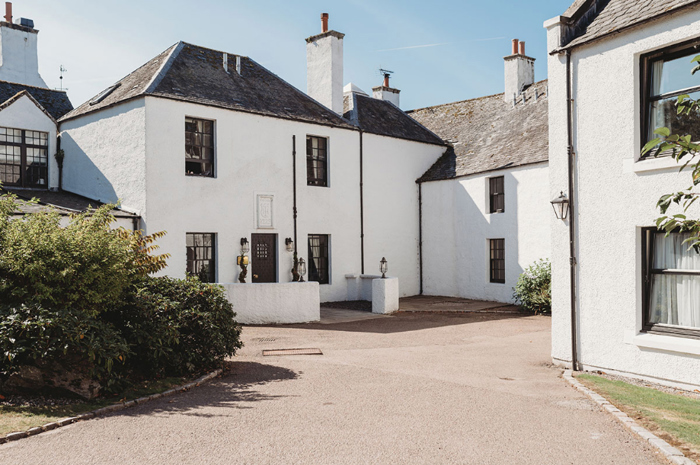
[
  {"x": 199, "y": 147},
  {"x": 317, "y": 161}
]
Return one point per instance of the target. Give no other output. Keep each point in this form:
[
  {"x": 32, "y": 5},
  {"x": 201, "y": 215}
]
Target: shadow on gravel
[
  {"x": 234, "y": 390},
  {"x": 410, "y": 321}
]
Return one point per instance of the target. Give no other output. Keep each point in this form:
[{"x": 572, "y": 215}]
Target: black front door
[{"x": 264, "y": 255}]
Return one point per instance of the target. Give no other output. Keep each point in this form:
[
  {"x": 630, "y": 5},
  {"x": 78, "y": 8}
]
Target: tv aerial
[{"x": 387, "y": 74}]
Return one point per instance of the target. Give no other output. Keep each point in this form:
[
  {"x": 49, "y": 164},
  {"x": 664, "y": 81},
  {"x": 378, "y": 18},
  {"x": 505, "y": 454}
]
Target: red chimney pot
[
  {"x": 515, "y": 46},
  {"x": 324, "y": 21},
  {"x": 386, "y": 80},
  {"x": 8, "y": 12},
  {"x": 522, "y": 47}
]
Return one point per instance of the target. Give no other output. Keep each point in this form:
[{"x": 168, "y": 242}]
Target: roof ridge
[
  {"x": 164, "y": 67},
  {"x": 469, "y": 99},
  {"x": 34, "y": 87}
]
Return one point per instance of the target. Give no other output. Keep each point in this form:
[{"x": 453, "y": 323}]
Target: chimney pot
[
  {"x": 386, "y": 80},
  {"x": 8, "y": 12},
  {"x": 522, "y": 48},
  {"x": 324, "y": 21},
  {"x": 515, "y": 46}
]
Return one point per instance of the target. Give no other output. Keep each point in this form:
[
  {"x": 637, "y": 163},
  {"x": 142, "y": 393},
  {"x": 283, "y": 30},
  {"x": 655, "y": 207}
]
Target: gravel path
[{"x": 414, "y": 388}]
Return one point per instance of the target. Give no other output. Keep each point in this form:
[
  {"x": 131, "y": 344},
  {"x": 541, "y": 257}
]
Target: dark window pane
[
  {"x": 316, "y": 165},
  {"x": 496, "y": 195},
  {"x": 24, "y": 158},
  {"x": 318, "y": 258},
  {"x": 201, "y": 257},
  {"x": 497, "y": 261},
  {"x": 199, "y": 145},
  {"x": 664, "y": 114}
]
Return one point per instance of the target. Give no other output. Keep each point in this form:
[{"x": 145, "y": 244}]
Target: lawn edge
[
  {"x": 109, "y": 409},
  {"x": 673, "y": 454}
]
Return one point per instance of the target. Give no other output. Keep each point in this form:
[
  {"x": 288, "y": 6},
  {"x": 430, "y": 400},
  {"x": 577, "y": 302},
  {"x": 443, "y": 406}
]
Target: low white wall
[{"x": 275, "y": 303}]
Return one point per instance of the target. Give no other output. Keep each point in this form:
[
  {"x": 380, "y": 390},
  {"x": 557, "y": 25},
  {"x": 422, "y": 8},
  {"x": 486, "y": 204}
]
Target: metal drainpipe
[
  {"x": 60, "y": 166},
  {"x": 362, "y": 209},
  {"x": 572, "y": 212},
  {"x": 420, "y": 234},
  {"x": 294, "y": 182}
]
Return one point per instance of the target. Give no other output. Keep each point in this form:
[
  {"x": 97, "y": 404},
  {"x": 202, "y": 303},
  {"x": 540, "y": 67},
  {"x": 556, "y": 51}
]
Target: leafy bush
[
  {"x": 175, "y": 326},
  {"x": 84, "y": 266},
  {"x": 36, "y": 336},
  {"x": 533, "y": 292},
  {"x": 79, "y": 298}
]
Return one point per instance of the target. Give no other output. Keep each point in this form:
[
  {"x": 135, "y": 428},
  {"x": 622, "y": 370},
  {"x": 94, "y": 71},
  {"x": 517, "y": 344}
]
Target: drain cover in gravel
[
  {"x": 265, "y": 339},
  {"x": 267, "y": 353}
]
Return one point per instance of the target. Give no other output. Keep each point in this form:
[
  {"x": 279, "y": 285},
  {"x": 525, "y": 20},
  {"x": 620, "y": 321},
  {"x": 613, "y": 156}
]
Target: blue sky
[{"x": 99, "y": 42}]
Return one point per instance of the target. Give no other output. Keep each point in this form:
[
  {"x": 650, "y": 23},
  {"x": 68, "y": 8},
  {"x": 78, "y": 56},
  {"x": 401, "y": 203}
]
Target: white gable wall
[
  {"x": 105, "y": 155},
  {"x": 616, "y": 198},
  {"x": 391, "y": 167},
  {"x": 24, "y": 114},
  {"x": 457, "y": 227}
]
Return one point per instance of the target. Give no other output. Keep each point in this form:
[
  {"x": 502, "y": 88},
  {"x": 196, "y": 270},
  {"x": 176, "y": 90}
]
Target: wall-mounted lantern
[
  {"x": 243, "y": 260},
  {"x": 290, "y": 244},
  {"x": 561, "y": 206},
  {"x": 383, "y": 267}
]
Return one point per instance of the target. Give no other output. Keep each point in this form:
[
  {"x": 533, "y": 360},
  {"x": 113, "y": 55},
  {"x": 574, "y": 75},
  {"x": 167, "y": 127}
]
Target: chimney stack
[
  {"x": 19, "y": 58},
  {"x": 519, "y": 71},
  {"x": 324, "y": 67},
  {"x": 384, "y": 92}
]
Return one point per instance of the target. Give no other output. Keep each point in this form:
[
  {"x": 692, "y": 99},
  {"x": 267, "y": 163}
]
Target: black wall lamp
[{"x": 561, "y": 206}]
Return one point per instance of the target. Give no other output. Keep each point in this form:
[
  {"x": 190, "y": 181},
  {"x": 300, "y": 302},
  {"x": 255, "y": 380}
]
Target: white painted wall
[
  {"x": 391, "y": 167},
  {"x": 616, "y": 197},
  {"x": 253, "y": 156},
  {"x": 457, "y": 228},
  {"x": 105, "y": 155},
  {"x": 19, "y": 60},
  {"x": 259, "y": 304},
  {"x": 324, "y": 70},
  {"x": 24, "y": 114}
]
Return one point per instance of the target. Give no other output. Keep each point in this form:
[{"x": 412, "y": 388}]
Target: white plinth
[
  {"x": 275, "y": 303},
  {"x": 385, "y": 295}
]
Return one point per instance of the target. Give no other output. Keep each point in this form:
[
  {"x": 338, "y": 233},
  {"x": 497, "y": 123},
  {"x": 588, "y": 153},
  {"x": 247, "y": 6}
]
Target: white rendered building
[
  {"x": 635, "y": 293},
  {"x": 215, "y": 149},
  {"x": 485, "y": 203}
]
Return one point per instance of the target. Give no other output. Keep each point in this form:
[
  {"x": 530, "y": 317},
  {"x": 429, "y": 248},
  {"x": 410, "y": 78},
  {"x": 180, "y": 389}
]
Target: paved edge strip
[
  {"x": 109, "y": 409},
  {"x": 671, "y": 453}
]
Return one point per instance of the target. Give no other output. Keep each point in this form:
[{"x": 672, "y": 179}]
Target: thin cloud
[{"x": 438, "y": 45}]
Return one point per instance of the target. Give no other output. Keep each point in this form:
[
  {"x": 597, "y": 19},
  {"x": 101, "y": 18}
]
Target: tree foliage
[
  {"x": 687, "y": 153},
  {"x": 533, "y": 291}
]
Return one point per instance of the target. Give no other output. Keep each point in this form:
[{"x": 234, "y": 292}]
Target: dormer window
[{"x": 24, "y": 160}]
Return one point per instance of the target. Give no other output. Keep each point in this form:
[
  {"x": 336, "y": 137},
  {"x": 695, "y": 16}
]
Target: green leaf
[{"x": 663, "y": 132}]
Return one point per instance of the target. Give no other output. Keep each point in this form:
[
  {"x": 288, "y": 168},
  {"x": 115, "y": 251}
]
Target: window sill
[
  {"x": 664, "y": 343},
  {"x": 653, "y": 164}
]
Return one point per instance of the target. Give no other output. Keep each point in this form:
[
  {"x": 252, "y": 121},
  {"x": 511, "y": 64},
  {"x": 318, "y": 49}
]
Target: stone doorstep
[
  {"x": 671, "y": 453},
  {"x": 109, "y": 409}
]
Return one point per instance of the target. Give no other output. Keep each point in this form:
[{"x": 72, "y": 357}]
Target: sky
[{"x": 440, "y": 51}]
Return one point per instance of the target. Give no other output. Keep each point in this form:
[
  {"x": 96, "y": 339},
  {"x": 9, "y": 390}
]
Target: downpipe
[{"x": 572, "y": 213}]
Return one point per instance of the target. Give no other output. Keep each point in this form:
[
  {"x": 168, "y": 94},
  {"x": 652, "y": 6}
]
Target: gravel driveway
[{"x": 412, "y": 388}]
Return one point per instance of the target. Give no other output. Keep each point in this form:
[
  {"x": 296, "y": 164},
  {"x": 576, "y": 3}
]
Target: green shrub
[
  {"x": 85, "y": 266},
  {"x": 36, "y": 336},
  {"x": 533, "y": 292},
  {"x": 178, "y": 326}
]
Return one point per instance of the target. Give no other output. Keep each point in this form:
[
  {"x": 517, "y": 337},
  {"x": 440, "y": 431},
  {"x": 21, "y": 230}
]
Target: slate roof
[
  {"x": 602, "y": 17},
  {"x": 64, "y": 202},
  {"x": 196, "y": 74},
  {"x": 488, "y": 133},
  {"x": 385, "y": 119},
  {"x": 55, "y": 102}
]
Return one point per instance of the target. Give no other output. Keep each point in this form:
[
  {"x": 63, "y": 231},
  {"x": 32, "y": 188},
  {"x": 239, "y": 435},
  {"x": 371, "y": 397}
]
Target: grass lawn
[
  {"x": 673, "y": 417},
  {"x": 21, "y": 418}
]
